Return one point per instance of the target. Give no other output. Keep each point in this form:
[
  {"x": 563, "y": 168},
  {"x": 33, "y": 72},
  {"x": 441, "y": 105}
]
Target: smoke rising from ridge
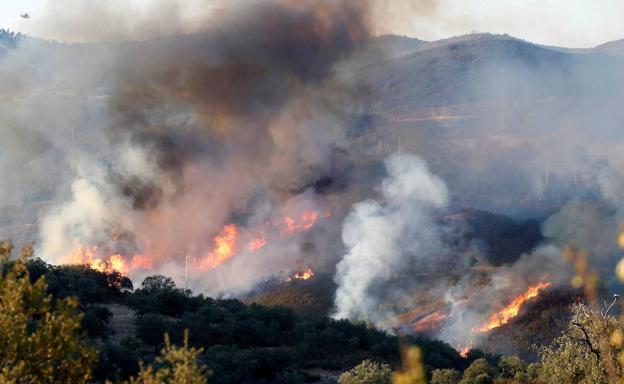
[
  {"x": 267, "y": 121},
  {"x": 388, "y": 238}
]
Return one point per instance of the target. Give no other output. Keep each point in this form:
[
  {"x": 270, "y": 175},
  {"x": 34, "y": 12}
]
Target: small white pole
[{"x": 186, "y": 259}]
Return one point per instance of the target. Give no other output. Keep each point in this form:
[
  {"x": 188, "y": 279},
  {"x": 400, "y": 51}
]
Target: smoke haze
[{"x": 276, "y": 123}]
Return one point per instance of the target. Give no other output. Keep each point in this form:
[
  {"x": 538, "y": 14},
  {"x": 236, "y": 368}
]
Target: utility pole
[
  {"x": 502, "y": 129},
  {"x": 186, "y": 260}
]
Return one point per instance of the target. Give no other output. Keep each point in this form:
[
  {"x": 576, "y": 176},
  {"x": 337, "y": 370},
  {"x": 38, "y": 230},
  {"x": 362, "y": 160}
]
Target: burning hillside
[
  {"x": 510, "y": 311},
  {"x": 213, "y": 145},
  {"x": 226, "y": 244},
  {"x": 433, "y": 185}
]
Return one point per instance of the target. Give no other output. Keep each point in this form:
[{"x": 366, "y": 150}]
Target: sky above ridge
[{"x": 567, "y": 23}]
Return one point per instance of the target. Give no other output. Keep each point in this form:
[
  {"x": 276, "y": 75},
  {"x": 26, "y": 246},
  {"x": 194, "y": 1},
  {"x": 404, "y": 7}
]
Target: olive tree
[
  {"x": 40, "y": 339},
  {"x": 367, "y": 372}
]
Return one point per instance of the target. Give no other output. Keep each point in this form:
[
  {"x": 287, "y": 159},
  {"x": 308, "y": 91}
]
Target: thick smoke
[
  {"x": 387, "y": 239},
  {"x": 177, "y": 137},
  {"x": 249, "y": 112}
]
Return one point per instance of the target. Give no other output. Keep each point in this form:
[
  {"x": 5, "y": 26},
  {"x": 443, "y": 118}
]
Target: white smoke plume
[{"x": 385, "y": 237}]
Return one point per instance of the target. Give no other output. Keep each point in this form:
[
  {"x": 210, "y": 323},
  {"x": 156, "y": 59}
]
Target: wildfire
[
  {"x": 463, "y": 351},
  {"x": 224, "y": 244},
  {"x": 113, "y": 263},
  {"x": 308, "y": 219},
  {"x": 98, "y": 264},
  {"x": 510, "y": 311},
  {"x": 257, "y": 243},
  {"x": 305, "y": 275},
  {"x": 83, "y": 255},
  {"x": 430, "y": 321},
  {"x": 142, "y": 261},
  {"x": 88, "y": 255}
]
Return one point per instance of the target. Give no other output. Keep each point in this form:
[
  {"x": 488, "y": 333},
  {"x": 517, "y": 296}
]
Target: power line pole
[{"x": 186, "y": 260}]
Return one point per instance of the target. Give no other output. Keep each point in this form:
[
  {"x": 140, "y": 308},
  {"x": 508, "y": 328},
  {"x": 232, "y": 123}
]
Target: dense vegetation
[
  {"x": 9, "y": 38},
  {"x": 305, "y": 297},
  {"x": 57, "y": 325},
  {"x": 240, "y": 343}
]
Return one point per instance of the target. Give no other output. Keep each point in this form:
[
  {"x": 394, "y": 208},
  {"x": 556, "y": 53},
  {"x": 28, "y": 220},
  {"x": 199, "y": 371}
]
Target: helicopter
[{"x": 25, "y": 15}]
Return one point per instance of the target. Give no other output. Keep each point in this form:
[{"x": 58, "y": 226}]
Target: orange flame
[
  {"x": 463, "y": 351},
  {"x": 224, "y": 244},
  {"x": 430, "y": 321},
  {"x": 510, "y": 311},
  {"x": 305, "y": 275},
  {"x": 88, "y": 255},
  {"x": 257, "y": 243},
  {"x": 83, "y": 255},
  {"x": 141, "y": 261},
  {"x": 111, "y": 264},
  {"x": 98, "y": 265},
  {"x": 308, "y": 219},
  {"x": 95, "y": 258},
  {"x": 224, "y": 247},
  {"x": 117, "y": 263}
]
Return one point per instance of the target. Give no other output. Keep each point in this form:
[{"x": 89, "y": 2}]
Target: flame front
[
  {"x": 257, "y": 243},
  {"x": 464, "y": 352},
  {"x": 305, "y": 275},
  {"x": 430, "y": 321},
  {"x": 308, "y": 219},
  {"x": 510, "y": 311},
  {"x": 225, "y": 241},
  {"x": 224, "y": 244}
]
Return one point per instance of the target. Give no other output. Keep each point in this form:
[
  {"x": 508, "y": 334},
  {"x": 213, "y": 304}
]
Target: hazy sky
[
  {"x": 570, "y": 23},
  {"x": 10, "y": 11}
]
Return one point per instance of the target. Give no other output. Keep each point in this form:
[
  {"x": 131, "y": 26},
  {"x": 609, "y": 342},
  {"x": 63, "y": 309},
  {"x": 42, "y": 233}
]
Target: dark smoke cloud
[
  {"x": 230, "y": 84},
  {"x": 241, "y": 121}
]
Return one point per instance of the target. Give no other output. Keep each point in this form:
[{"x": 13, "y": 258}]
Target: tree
[
  {"x": 479, "y": 372},
  {"x": 176, "y": 365},
  {"x": 39, "y": 338},
  {"x": 445, "y": 376},
  {"x": 156, "y": 283},
  {"x": 583, "y": 354},
  {"x": 152, "y": 327},
  {"x": 510, "y": 367},
  {"x": 367, "y": 372}
]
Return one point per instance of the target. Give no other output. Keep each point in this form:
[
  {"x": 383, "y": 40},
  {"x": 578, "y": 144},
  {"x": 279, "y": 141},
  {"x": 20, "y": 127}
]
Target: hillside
[
  {"x": 314, "y": 296},
  {"x": 442, "y": 98},
  {"x": 515, "y": 130},
  {"x": 612, "y": 47},
  {"x": 243, "y": 343}
]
